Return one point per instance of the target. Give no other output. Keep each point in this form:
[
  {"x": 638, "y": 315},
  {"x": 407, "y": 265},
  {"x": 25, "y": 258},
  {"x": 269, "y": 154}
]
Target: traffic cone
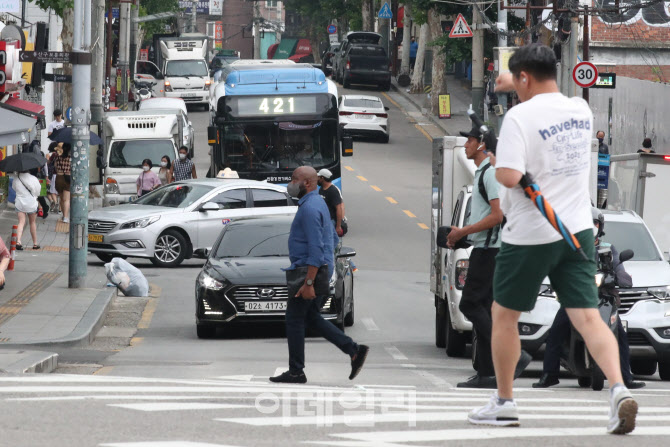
[{"x": 12, "y": 248}]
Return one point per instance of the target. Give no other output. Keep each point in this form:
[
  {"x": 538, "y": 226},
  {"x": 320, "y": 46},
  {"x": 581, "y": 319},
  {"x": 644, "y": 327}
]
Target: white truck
[
  {"x": 184, "y": 67},
  {"x": 131, "y": 137},
  {"x": 452, "y": 179}
]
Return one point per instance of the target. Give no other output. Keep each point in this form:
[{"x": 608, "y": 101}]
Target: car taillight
[
  {"x": 666, "y": 157},
  {"x": 382, "y": 115},
  {"x": 348, "y": 65},
  {"x": 346, "y": 113},
  {"x": 461, "y": 273}
]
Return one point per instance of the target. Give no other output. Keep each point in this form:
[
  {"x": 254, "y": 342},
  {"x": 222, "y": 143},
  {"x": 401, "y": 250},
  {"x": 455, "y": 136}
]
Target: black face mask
[{"x": 601, "y": 140}]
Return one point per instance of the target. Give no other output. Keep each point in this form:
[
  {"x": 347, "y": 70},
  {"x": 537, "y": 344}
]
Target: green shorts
[{"x": 520, "y": 270}]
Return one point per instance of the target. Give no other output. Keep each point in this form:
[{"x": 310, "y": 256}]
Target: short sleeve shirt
[
  {"x": 479, "y": 209},
  {"x": 549, "y": 138},
  {"x": 55, "y": 125},
  {"x": 333, "y": 197}
]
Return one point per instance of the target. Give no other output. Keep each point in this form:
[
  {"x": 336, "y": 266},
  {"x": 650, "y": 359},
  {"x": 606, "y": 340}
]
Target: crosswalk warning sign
[{"x": 460, "y": 28}]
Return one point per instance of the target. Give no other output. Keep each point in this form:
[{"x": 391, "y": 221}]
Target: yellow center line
[
  {"x": 361, "y": 178},
  {"x": 148, "y": 313},
  {"x": 392, "y": 200},
  {"x": 391, "y": 100},
  {"x": 425, "y": 134},
  {"x": 105, "y": 370},
  {"x": 376, "y": 188},
  {"x": 423, "y": 226},
  {"x": 348, "y": 168},
  {"x": 409, "y": 213}
]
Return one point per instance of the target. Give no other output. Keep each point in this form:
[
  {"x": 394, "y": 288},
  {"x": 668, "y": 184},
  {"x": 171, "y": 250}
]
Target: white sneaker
[
  {"x": 66, "y": 220},
  {"x": 505, "y": 415},
  {"x": 623, "y": 410}
]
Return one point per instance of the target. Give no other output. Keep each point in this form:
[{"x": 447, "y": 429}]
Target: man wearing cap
[
  {"x": 483, "y": 229},
  {"x": 333, "y": 197},
  {"x": 57, "y": 123}
]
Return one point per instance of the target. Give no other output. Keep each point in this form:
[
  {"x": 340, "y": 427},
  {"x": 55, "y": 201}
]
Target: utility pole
[
  {"x": 384, "y": 25},
  {"x": 477, "y": 61},
  {"x": 81, "y": 102},
  {"x": 502, "y": 42},
  {"x": 574, "y": 42},
  {"x": 123, "y": 61},
  {"x": 257, "y": 32},
  {"x": 194, "y": 16},
  {"x": 585, "y": 48},
  {"x": 134, "y": 35},
  {"x": 98, "y": 59}
]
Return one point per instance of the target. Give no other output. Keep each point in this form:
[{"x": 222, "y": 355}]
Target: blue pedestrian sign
[
  {"x": 332, "y": 29},
  {"x": 385, "y": 12},
  {"x": 68, "y": 114}
]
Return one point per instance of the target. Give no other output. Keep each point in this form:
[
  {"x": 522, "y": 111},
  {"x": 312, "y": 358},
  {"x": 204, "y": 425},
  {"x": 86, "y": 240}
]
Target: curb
[
  {"x": 420, "y": 108},
  {"x": 86, "y": 329},
  {"x": 33, "y": 362}
]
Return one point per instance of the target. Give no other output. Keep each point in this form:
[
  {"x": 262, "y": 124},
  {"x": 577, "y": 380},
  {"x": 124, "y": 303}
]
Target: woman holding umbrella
[{"x": 27, "y": 189}]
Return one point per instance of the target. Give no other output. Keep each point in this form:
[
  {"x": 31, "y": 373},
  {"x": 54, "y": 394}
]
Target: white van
[{"x": 179, "y": 107}]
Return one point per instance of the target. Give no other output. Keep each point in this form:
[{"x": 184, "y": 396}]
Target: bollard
[{"x": 12, "y": 248}]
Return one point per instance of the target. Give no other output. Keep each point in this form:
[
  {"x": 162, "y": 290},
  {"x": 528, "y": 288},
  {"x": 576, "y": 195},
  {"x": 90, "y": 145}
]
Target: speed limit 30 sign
[{"x": 585, "y": 74}]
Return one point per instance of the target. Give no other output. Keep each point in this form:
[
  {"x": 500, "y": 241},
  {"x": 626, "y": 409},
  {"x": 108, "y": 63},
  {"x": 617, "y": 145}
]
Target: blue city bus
[{"x": 270, "y": 117}]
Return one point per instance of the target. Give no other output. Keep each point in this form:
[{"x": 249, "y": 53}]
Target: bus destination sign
[{"x": 255, "y": 106}]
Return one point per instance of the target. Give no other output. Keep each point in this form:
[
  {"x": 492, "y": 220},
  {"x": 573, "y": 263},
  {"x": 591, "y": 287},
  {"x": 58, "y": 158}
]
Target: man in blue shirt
[
  {"x": 310, "y": 247},
  {"x": 413, "y": 47}
]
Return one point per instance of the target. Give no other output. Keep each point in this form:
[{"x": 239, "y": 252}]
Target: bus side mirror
[
  {"x": 212, "y": 135},
  {"x": 347, "y": 146}
]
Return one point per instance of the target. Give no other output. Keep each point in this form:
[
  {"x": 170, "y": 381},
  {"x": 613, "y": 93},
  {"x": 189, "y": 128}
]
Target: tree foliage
[
  {"x": 318, "y": 14},
  {"x": 148, "y": 7},
  {"x": 58, "y": 6}
]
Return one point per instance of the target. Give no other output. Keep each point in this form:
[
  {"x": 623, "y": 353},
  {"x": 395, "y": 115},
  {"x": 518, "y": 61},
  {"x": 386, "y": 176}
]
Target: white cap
[
  {"x": 227, "y": 173},
  {"x": 325, "y": 173}
]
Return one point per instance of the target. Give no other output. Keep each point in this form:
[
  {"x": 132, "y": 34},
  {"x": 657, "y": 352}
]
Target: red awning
[
  {"x": 24, "y": 107},
  {"x": 401, "y": 17}
]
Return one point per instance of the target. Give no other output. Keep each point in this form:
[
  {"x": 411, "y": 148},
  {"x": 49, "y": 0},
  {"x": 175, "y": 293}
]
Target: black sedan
[{"x": 243, "y": 280}]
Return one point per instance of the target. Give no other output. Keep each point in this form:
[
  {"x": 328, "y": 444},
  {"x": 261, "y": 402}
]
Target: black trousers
[
  {"x": 476, "y": 303},
  {"x": 560, "y": 331}
]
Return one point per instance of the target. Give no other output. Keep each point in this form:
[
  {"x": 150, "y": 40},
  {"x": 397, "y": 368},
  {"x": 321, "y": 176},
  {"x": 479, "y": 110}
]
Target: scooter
[
  {"x": 143, "y": 90},
  {"x": 575, "y": 356}
]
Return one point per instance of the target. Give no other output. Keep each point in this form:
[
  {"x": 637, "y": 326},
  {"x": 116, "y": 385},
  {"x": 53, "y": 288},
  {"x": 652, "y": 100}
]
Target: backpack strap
[{"x": 482, "y": 191}]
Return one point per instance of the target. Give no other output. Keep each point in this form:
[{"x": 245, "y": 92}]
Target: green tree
[
  {"x": 148, "y": 7},
  {"x": 58, "y": 6}
]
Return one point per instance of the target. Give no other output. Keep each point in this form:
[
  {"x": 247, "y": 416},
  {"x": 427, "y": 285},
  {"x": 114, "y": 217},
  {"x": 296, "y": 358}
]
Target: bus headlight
[{"x": 662, "y": 293}]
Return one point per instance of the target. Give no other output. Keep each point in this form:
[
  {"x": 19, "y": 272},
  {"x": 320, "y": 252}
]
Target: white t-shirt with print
[
  {"x": 548, "y": 137},
  {"x": 55, "y": 125}
]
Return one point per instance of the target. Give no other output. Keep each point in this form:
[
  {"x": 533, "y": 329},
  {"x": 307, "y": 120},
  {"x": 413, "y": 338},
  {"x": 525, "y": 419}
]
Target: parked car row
[{"x": 361, "y": 60}]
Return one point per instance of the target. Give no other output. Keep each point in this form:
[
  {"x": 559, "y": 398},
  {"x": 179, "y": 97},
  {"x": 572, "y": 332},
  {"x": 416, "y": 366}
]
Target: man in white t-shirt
[
  {"x": 547, "y": 137},
  {"x": 57, "y": 123}
]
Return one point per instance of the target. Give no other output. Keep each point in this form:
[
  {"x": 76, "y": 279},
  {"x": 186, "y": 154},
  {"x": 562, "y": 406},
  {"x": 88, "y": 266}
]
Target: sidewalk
[
  {"x": 460, "y": 97},
  {"x": 38, "y": 313}
]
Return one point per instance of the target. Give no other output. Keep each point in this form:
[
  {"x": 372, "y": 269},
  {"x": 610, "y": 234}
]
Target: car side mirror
[
  {"x": 442, "y": 234},
  {"x": 346, "y": 252},
  {"x": 626, "y": 255},
  {"x": 347, "y": 146},
  {"x": 209, "y": 206},
  {"x": 206, "y": 252}
]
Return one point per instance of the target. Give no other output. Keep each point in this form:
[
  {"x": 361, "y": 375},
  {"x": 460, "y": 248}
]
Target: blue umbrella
[{"x": 64, "y": 135}]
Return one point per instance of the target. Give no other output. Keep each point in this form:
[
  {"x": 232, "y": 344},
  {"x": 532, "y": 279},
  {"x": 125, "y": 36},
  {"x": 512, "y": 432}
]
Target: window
[
  {"x": 264, "y": 198},
  {"x": 634, "y": 236},
  {"x": 365, "y": 103},
  {"x": 231, "y": 200},
  {"x": 271, "y": 3},
  {"x": 129, "y": 154},
  {"x": 176, "y": 195},
  {"x": 186, "y": 68},
  {"x": 254, "y": 240},
  {"x": 147, "y": 68},
  {"x": 457, "y": 211}
]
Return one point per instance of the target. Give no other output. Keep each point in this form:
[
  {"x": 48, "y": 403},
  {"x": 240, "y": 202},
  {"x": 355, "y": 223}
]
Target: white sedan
[{"x": 364, "y": 116}]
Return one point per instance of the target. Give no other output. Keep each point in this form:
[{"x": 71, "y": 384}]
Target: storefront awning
[
  {"x": 26, "y": 108},
  {"x": 16, "y": 128}
]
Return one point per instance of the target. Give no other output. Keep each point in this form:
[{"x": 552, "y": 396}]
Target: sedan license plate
[
  {"x": 363, "y": 117},
  {"x": 624, "y": 323},
  {"x": 264, "y": 306},
  {"x": 95, "y": 237}
]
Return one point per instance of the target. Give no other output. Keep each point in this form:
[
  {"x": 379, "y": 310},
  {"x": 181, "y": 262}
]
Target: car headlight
[
  {"x": 111, "y": 186},
  {"x": 599, "y": 279},
  {"x": 662, "y": 293},
  {"x": 208, "y": 282},
  {"x": 140, "y": 223}
]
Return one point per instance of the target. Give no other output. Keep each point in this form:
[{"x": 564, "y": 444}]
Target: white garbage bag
[{"x": 128, "y": 278}]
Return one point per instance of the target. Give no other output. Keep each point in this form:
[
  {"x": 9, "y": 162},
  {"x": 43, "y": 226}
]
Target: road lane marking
[
  {"x": 391, "y": 100},
  {"x": 376, "y": 188},
  {"x": 148, "y": 314},
  {"x": 392, "y": 200},
  {"x": 361, "y": 178},
  {"x": 409, "y": 213},
  {"x": 136, "y": 341},
  {"x": 163, "y": 444},
  {"x": 425, "y": 134},
  {"x": 177, "y": 406},
  {"x": 242, "y": 378},
  {"x": 369, "y": 324},
  {"x": 423, "y": 226},
  {"x": 395, "y": 353},
  {"x": 348, "y": 168},
  {"x": 432, "y": 378},
  {"x": 105, "y": 370},
  {"x": 408, "y": 365}
]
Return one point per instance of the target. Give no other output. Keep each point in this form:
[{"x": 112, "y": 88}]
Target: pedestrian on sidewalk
[
  {"x": 603, "y": 148},
  {"x": 148, "y": 180},
  {"x": 646, "y": 147},
  {"x": 534, "y": 141},
  {"x": 310, "y": 247},
  {"x": 63, "y": 178},
  {"x": 413, "y": 48},
  {"x": 183, "y": 168},
  {"x": 27, "y": 189},
  {"x": 483, "y": 231},
  {"x": 51, "y": 169},
  {"x": 164, "y": 173},
  {"x": 57, "y": 123},
  {"x": 4, "y": 262}
]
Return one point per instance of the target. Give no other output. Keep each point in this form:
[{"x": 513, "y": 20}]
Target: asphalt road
[{"x": 171, "y": 389}]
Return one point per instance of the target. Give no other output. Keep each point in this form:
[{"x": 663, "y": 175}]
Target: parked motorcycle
[
  {"x": 143, "y": 90},
  {"x": 575, "y": 356}
]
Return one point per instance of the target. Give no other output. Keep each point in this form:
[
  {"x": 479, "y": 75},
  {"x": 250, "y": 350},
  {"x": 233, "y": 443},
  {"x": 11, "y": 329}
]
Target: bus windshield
[{"x": 279, "y": 146}]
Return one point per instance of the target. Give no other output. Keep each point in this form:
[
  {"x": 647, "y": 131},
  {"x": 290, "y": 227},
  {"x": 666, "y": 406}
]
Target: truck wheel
[
  {"x": 643, "y": 367},
  {"x": 104, "y": 257},
  {"x": 455, "y": 341},
  {"x": 205, "y": 331},
  {"x": 664, "y": 369},
  {"x": 584, "y": 382},
  {"x": 440, "y": 322},
  {"x": 597, "y": 378},
  {"x": 170, "y": 249}
]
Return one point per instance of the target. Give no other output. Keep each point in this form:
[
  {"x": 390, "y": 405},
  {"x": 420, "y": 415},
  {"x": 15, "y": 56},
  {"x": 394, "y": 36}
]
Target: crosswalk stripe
[
  {"x": 163, "y": 444},
  {"x": 178, "y": 406},
  {"x": 369, "y": 324},
  {"x": 395, "y": 353}
]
